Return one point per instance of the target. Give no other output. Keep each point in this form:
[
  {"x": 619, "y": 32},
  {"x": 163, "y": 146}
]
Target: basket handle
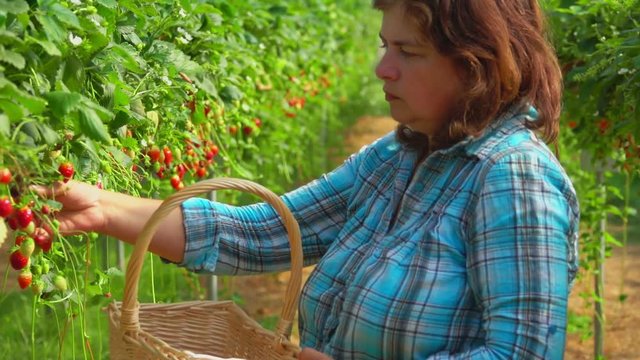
[{"x": 130, "y": 321}]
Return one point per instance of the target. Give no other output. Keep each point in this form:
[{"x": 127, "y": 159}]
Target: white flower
[
  {"x": 185, "y": 34},
  {"x": 74, "y": 40},
  {"x": 182, "y": 13},
  {"x": 623, "y": 71},
  {"x": 76, "y": 2},
  {"x": 166, "y": 80},
  {"x": 182, "y": 40}
]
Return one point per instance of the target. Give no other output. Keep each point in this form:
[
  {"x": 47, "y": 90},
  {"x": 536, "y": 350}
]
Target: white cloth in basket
[{"x": 207, "y": 357}]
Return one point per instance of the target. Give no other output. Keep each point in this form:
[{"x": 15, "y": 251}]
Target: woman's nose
[{"x": 386, "y": 70}]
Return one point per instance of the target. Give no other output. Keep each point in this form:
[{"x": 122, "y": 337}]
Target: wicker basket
[{"x": 221, "y": 329}]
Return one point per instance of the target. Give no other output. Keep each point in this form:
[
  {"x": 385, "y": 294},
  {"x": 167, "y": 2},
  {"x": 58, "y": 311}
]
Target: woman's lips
[{"x": 390, "y": 97}]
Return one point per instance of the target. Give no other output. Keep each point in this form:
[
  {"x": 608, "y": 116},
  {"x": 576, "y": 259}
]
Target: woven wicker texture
[{"x": 166, "y": 331}]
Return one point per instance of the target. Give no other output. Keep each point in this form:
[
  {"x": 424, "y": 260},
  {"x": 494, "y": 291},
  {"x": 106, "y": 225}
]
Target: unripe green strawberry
[
  {"x": 45, "y": 267},
  {"x": 37, "y": 287},
  {"x": 60, "y": 283},
  {"x": 36, "y": 269},
  {"x": 27, "y": 247}
]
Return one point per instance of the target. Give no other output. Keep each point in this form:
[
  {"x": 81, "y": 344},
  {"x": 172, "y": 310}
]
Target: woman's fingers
[{"x": 57, "y": 189}]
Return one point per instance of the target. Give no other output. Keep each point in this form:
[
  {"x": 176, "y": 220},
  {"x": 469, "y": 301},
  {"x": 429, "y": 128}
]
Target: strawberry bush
[
  {"x": 598, "y": 43},
  {"x": 145, "y": 98}
]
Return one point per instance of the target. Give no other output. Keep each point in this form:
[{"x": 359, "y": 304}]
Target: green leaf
[
  {"x": 230, "y": 93},
  {"x": 110, "y": 4},
  {"x": 11, "y": 57},
  {"x": 65, "y": 15},
  {"x": 611, "y": 240},
  {"x": 14, "y": 6},
  {"x": 104, "y": 114},
  {"x": 130, "y": 59},
  {"x": 8, "y": 37},
  {"x": 74, "y": 74},
  {"x": 31, "y": 129},
  {"x": 52, "y": 28},
  {"x": 49, "y": 47},
  {"x": 48, "y": 134},
  {"x": 13, "y": 111},
  {"x": 90, "y": 125},
  {"x": 32, "y": 104},
  {"x": 204, "y": 83},
  {"x": 61, "y": 102},
  {"x": 5, "y": 128}
]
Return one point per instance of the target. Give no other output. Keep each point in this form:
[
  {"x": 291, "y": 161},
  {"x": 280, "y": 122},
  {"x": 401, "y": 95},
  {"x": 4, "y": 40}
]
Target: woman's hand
[
  {"x": 81, "y": 207},
  {"x": 311, "y": 354}
]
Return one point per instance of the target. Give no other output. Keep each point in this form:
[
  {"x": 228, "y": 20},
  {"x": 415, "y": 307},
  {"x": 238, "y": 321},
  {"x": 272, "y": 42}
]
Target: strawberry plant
[{"x": 147, "y": 98}]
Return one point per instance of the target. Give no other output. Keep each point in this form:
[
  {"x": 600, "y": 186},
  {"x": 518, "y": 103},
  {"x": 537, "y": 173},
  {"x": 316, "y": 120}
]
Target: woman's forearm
[{"x": 125, "y": 217}]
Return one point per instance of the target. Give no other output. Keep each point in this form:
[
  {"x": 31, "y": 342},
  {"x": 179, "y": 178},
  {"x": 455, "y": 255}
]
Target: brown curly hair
[{"x": 504, "y": 58}]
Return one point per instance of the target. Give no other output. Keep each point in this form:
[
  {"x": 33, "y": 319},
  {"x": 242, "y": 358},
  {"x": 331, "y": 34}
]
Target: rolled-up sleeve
[{"x": 225, "y": 239}]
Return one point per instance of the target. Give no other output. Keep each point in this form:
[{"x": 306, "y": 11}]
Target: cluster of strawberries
[{"x": 31, "y": 234}]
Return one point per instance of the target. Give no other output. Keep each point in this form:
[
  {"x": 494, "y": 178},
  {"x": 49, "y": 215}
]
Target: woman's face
[{"x": 420, "y": 85}]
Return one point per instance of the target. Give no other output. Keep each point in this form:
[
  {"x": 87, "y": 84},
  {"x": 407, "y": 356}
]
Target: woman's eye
[{"x": 405, "y": 53}]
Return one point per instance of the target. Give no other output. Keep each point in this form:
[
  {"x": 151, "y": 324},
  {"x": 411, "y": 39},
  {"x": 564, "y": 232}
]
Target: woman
[{"x": 452, "y": 237}]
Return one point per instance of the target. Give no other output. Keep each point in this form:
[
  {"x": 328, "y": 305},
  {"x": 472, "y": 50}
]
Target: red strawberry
[
  {"x": 24, "y": 216},
  {"x": 46, "y": 210},
  {"x": 18, "y": 260},
  {"x": 247, "y": 130},
  {"x": 12, "y": 222},
  {"x": 20, "y": 239},
  {"x": 24, "y": 279},
  {"x": 5, "y": 207},
  {"x": 5, "y": 176},
  {"x": 154, "y": 154},
  {"x": 233, "y": 129},
  {"x": 66, "y": 170},
  {"x": 201, "y": 172},
  {"x": 214, "y": 150},
  {"x": 43, "y": 239},
  {"x": 181, "y": 169},
  {"x": 258, "y": 122},
  {"x": 168, "y": 156},
  {"x": 176, "y": 183}
]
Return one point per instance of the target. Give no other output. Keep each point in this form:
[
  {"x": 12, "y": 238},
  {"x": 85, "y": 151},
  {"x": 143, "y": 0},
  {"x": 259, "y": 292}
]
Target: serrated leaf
[
  {"x": 230, "y": 93},
  {"x": 13, "y": 111},
  {"x": 204, "y": 83},
  {"x": 52, "y": 29},
  {"x": 65, "y": 15},
  {"x": 32, "y": 104},
  {"x": 103, "y": 113},
  {"x": 31, "y": 129},
  {"x": 110, "y": 4},
  {"x": 61, "y": 102},
  {"x": 130, "y": 59},
  {"x": 90, "y": 125},
  {"x": 12, "y": 58},
  {"x": 8, "y": 37},
  {"x": 48, "y": 134},
  {"x": 14, "y": 6},
  {"x": 49, "y": 47}
]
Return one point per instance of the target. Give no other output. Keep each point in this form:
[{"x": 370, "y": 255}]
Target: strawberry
[
  {"x": 5, "y": 176},
  {"x": 30, "y": 228},
  {"x": 18, "y": 260},
  {"x": 45, "y": 210},
  {"x": 154, "y": 154},
  {"x": 20, "y": 239},
  {"x": 168, "y": 156},
  {"x": 37, "y": 287},
  {"x": 27, "y": 247},
  {"x": 43, "y": 239},
  {"x": 201, "y": 172},
  {"x": 233, "y": 129},
  {"x": 6, "y": 208},
  {"x": 12, "y": 222},
  {"x": 24, "y": 216},
  {"x": 66, "y": 170},
  {"x": 214, "y": 150},
  {"x": 60, "y": 283},
  {"x": 24, "y": 279},
  {"x": 258, "y": 122},
  {"x": 176, "y": 183},
  {"x": 247, "y": 130}
]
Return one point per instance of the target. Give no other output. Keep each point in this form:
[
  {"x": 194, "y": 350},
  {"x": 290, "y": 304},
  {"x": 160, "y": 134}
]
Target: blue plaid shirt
[{"x": 476, "y": 263}]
